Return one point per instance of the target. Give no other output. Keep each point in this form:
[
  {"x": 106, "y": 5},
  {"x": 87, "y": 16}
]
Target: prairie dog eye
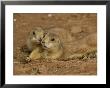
[
  {"x": 33, "y": 33},
  {"x": 52, "y": 39}
]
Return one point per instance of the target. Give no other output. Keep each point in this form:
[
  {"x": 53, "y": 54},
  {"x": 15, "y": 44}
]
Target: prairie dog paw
[{"x": 28, "y": 59}]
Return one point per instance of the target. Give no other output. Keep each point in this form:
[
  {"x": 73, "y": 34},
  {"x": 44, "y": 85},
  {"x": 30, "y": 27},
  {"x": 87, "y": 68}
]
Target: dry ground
[{"x": 78, "y": 33}]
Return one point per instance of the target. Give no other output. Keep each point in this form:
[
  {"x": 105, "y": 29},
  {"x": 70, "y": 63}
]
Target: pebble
[
  {"x": 14, "y": 19},
  {"x": 49, "y": 15}
]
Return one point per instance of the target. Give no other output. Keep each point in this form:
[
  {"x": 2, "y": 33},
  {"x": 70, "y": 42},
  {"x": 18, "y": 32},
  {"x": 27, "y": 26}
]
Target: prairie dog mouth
[
  {"x": 37, "y": 40},
  {"x": 45, "y": 47}
]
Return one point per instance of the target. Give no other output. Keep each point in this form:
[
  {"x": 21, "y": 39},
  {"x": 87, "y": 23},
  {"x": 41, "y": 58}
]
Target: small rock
[
  {"x": 49, "y": 15},
  {"x": 14, "y": 19},
  {"x": 43, "y": 69}
]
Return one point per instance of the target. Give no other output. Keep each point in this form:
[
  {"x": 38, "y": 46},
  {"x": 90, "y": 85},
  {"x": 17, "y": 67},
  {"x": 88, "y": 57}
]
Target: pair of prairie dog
[{"x": 43, "y": 44}]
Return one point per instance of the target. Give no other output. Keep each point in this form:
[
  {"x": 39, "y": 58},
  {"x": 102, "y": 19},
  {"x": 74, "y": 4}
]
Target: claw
[{"x": 28, "y": 59}]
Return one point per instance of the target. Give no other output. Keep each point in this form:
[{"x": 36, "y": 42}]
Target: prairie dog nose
[{"x": 40, "y": 39}]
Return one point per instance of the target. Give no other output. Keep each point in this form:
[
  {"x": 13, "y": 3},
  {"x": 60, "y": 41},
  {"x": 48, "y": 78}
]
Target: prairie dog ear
[{"x": 58, "y": 40}]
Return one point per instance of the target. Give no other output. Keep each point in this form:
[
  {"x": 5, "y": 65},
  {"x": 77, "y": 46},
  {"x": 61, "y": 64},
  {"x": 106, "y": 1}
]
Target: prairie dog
[
  {"x": 52, "y": 46},
  {"x": 35, "y": 37},
  {"x": 34, "y": 43}
]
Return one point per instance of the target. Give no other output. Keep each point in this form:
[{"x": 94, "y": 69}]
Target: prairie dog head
[
  {"x": 36, "y": 35},
  {"x": 51, "y": 41}
]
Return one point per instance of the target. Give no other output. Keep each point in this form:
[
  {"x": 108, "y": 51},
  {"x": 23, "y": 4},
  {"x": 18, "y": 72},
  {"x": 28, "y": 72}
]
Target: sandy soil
[{"x": 78, "y": 33}]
